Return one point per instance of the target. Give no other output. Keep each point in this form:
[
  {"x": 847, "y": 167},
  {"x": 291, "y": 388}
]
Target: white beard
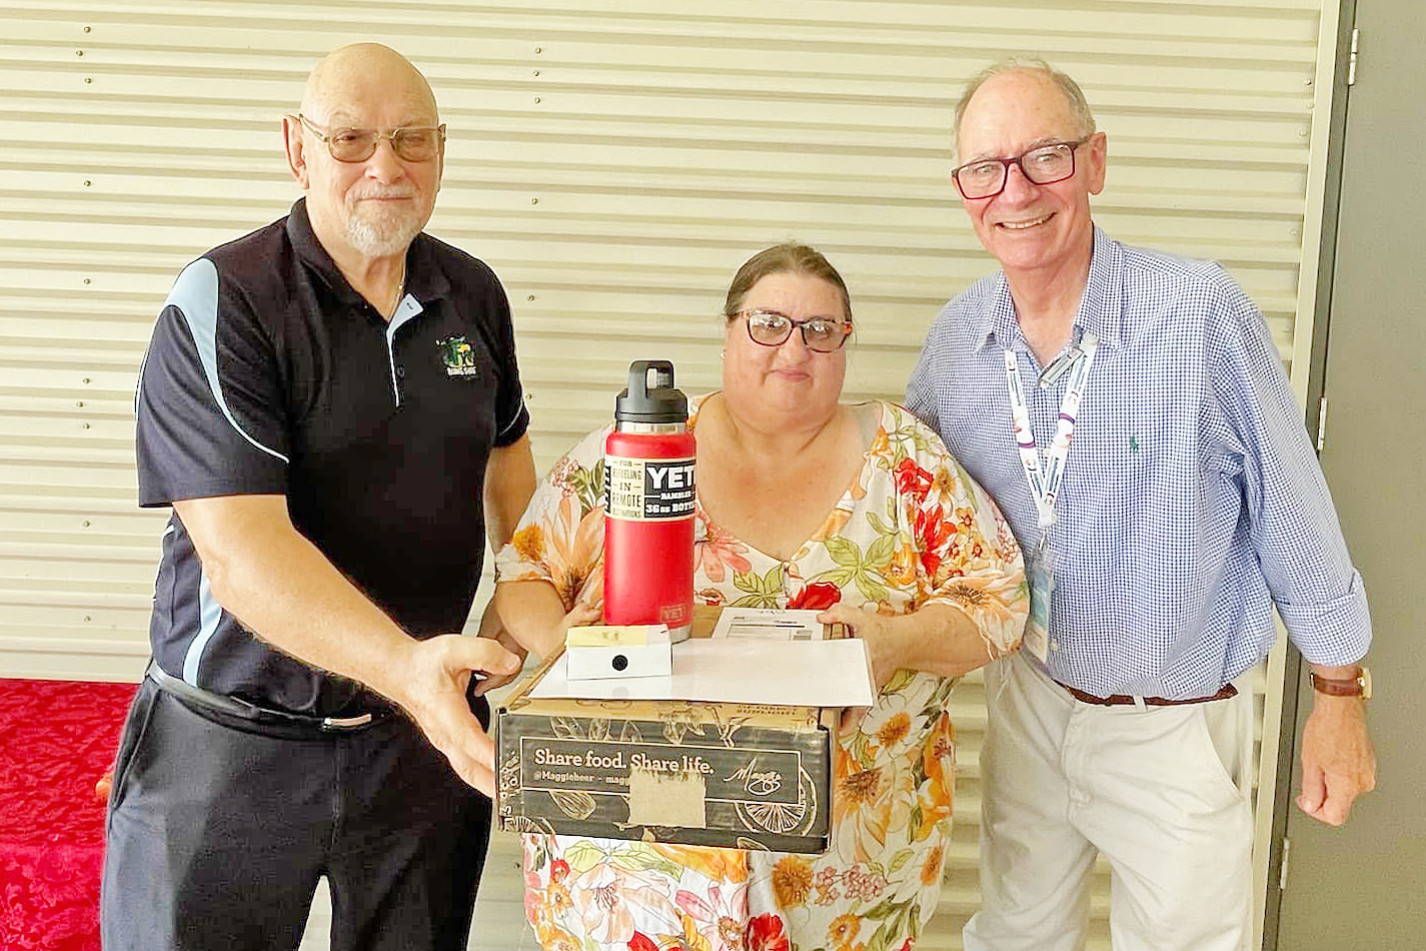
[{"x": 384, "y": 236}]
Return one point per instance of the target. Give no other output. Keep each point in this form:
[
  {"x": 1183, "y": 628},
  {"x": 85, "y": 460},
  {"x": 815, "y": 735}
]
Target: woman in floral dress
[{"x": 803, "y": 502}]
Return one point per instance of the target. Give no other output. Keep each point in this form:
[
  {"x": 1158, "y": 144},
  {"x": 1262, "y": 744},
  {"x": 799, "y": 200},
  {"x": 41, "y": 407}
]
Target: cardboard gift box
[{"x": 735, "y": 775}]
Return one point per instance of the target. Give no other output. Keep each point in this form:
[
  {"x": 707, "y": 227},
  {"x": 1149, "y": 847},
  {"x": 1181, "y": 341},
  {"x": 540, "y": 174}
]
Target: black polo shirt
[{"x": 269, "y": 374}]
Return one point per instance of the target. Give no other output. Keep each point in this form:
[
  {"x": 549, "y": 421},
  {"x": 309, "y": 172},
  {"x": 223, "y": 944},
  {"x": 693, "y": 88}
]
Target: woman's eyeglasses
[{"x": 771, "y": 329}]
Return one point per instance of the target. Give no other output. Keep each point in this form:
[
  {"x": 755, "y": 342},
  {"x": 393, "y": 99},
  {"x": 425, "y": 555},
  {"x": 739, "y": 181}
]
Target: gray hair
[{"x": 1079, "y": 106}]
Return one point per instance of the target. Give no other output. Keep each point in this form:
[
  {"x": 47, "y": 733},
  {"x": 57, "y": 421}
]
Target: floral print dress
[{"x": 911, "y": 529}]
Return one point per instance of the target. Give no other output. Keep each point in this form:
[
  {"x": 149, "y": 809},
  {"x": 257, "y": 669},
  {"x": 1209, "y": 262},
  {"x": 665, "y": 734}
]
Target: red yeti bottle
[{"x": 649, "y": 499}]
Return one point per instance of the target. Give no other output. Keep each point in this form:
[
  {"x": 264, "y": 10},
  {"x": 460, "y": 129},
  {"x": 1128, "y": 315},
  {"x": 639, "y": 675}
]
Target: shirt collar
[
  {"x": 425, "y": 280},
  {"x": 997, "y": 319},
  {"x": 1100, "y": 307}
]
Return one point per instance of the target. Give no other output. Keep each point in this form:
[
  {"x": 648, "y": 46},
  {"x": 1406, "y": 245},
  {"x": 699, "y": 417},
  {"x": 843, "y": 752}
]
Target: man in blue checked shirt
[{"x": 1128, "y": 410}]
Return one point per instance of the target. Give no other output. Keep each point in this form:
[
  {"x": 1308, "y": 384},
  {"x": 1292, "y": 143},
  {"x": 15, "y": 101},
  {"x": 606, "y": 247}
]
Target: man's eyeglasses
[
  {"x": 411, "y": 144},
  {"x": 1042, "y": 165},
  {"x": 771, "y": 329}
]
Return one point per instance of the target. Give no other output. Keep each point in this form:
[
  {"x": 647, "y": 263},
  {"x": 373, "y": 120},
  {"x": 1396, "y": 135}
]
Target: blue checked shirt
[{"x": 1192, "y": 499}]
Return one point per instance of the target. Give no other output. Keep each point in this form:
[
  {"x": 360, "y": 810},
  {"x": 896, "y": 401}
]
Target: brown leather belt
[{"x": 1121, "y": 700}]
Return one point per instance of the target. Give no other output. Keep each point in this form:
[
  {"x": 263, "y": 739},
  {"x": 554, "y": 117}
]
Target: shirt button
[
  {"x": 400, "y": 373},
  {"x": 1054, "y": 644}
]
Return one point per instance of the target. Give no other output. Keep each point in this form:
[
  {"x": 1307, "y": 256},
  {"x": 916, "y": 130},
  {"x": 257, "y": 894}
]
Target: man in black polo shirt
[{"x": 331, "y": 405}]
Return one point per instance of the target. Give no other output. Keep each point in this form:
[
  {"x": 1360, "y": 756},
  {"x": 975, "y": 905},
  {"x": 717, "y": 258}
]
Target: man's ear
[
  {"x": 1098, "y": 149},
  {"x": 440, "y": 164},
  {"x": 296, "y": 154}
]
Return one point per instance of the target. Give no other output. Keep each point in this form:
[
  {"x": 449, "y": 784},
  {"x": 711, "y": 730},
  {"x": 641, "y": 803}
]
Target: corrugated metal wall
[{"x": 614, "y": 163}]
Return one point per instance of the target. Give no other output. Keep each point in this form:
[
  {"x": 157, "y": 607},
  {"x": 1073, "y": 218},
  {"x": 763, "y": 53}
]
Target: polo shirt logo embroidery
[{"x": 458, "y": 357}]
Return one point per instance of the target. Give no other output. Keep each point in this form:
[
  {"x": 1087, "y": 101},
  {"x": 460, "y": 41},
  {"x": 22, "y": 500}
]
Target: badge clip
[{"x": 1060, "y": 367}]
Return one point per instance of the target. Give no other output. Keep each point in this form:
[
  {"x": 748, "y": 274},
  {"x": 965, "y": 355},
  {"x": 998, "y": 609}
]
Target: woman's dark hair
[{"x": 786, "y": 258}]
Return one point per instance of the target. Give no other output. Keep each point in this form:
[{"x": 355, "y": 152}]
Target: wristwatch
[{"x": 1358, "y": 686}]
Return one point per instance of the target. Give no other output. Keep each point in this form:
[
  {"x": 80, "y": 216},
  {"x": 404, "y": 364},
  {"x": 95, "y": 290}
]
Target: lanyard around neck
[{"x": 1045, "y": 480}]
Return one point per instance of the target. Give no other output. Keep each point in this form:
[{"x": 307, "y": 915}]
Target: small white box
[{"x": 613, "y": 652}]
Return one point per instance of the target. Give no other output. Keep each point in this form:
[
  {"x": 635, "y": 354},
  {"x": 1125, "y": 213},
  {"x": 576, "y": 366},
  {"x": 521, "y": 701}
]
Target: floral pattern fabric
[{"x": 911, "y": 529}]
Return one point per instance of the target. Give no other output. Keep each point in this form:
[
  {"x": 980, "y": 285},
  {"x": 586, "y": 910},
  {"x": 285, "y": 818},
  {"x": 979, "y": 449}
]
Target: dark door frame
[{"x": 1316, "y": 385}]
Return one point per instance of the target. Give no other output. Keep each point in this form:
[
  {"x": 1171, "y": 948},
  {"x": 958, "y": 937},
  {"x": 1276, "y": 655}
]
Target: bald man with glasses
[
  {"x": 332, "y": 409},
  {"x": 1128, "y": 410}
]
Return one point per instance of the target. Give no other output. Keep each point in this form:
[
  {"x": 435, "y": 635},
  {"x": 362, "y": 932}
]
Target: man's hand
[
  {"x": 434, "y": 695},
  {"x": 491, "y": 627},
  {"x": 496, "y": 681},
  {"x": 1338, "y": 762}
]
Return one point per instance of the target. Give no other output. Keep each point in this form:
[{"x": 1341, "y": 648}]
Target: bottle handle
[{"x": 639, "y": 377}]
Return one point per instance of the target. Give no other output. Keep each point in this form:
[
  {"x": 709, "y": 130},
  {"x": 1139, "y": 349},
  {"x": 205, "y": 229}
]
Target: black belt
[{"x": 232, "y": 711}]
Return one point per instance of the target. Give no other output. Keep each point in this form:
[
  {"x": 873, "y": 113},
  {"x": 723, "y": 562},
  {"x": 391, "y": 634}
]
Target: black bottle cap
[{"x": 662, "y": 403}]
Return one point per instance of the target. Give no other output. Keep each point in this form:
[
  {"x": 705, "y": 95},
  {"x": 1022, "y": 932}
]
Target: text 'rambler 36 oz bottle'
[{"x": 649, "y": 497}]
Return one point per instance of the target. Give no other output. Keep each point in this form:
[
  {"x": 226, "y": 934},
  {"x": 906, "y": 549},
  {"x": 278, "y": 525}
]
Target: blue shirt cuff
[{"x": 1334, "y": 633}]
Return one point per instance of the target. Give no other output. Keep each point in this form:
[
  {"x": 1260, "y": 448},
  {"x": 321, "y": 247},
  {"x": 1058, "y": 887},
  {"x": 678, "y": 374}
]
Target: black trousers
[{"x": 216, "y": 837}]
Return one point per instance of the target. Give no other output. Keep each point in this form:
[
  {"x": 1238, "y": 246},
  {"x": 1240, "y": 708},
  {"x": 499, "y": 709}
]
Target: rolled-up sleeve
[{"x": 1292, "y": 521}]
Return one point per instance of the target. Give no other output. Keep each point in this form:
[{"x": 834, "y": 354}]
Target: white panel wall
[{"x": 614, "y": 162}]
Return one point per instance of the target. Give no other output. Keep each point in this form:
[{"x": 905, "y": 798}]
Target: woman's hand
[
  {"x": 578, "y": 616},
  {"x": 533, "y": 613},
  {"x": 882, "y": 639},
  {"x": 936, "y": 638},
  {"x": 876, "y": 630}
]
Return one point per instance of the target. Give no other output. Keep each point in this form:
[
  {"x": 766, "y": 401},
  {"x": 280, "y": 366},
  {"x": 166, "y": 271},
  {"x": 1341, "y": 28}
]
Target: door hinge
[
  {"x": 1282, "y": 870},
  {"x": 1322, "y": 424},
  {"x": 1352, "y": 60}
]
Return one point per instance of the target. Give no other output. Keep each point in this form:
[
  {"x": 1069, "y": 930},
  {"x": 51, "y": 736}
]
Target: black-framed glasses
[
  {"x": 411, "y": 144},
  {"x": 771, "y": 329},
  {"x": 1042, "y": 165}
]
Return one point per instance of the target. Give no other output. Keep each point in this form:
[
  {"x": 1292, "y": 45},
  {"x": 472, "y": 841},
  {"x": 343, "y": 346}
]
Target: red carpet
[{"x": 57, "y": 738}]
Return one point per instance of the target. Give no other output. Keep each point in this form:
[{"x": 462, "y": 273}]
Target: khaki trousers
[{"x": 1163, "y": 793}]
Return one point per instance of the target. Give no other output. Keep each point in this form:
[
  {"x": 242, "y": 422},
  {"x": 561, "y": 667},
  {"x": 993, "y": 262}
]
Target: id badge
[{"x": 1041, "y": 570}]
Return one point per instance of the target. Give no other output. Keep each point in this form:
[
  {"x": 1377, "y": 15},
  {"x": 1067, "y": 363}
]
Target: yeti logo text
[{"x": 671, "y": 477}]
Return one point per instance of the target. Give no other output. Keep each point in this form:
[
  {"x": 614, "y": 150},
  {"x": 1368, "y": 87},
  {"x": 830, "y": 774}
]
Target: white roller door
[{"x": 614, "y": 163}]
